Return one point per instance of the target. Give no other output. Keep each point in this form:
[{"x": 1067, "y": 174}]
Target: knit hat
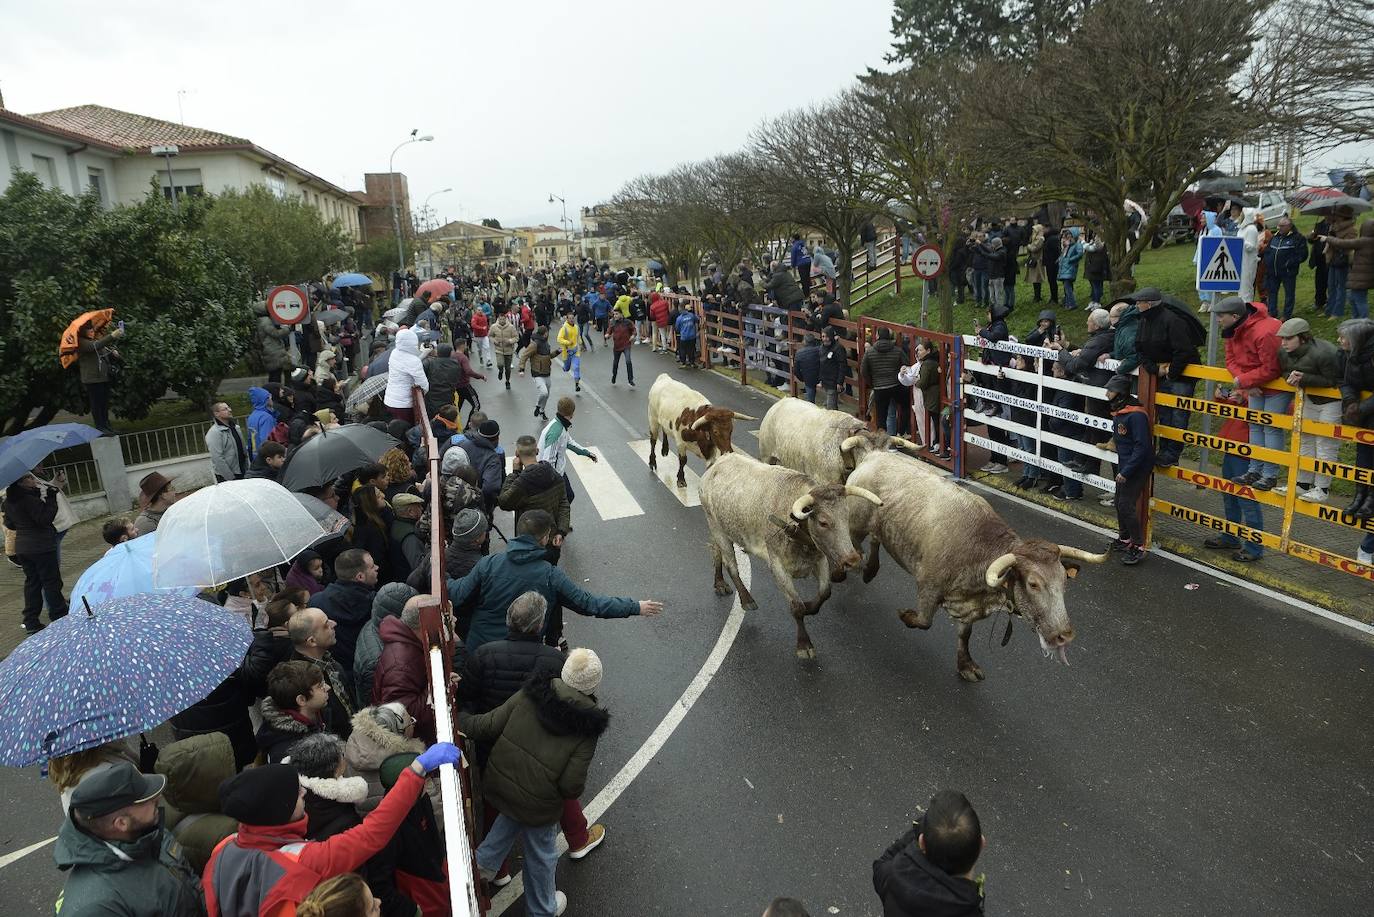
[
  {"x": 490, "y": 429},
  {"x": 393, "y": 767},
  {"x": 469, "y": 525},
  {"x": 264, "y": 795},
  {"x": 1294, "y": 327},
  {"x": 582, "y": 671},
  {"x": 324, "y": 415},
  {"x": 298, "y": 375},
  {"x": 392, "y": 717},
  {"x": 454, "y": 459}
]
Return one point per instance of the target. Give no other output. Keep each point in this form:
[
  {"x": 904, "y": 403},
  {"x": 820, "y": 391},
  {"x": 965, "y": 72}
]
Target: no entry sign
[
  {"x": 287, "y": 305},
  {"x": 928, "y": 263}
]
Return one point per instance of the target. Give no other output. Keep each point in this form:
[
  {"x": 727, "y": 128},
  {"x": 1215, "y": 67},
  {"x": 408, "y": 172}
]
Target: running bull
[
  {"x": 695, "y": 425},
  {"x": 824, "y": 444}
]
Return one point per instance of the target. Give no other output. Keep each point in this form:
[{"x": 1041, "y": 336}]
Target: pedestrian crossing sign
[{"x": 1218, "y": 264}]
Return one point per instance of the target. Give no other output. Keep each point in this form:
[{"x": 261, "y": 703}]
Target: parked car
[{"x": 1271, "y": 205}]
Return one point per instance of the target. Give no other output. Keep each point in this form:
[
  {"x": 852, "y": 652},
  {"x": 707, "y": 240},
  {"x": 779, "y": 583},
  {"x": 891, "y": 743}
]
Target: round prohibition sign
[
  {"x": 927, "y": 262},
  {"x": 287, "y": 305}
]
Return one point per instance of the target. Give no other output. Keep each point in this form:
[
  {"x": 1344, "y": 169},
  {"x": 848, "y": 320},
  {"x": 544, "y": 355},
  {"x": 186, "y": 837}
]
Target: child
[
  {"x": 1136, "y": 453},
  {"x": 293, "y": 709}
]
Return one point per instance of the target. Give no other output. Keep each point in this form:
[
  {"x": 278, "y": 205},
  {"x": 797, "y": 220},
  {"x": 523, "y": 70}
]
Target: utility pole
[{"x": 395, "y": 213}]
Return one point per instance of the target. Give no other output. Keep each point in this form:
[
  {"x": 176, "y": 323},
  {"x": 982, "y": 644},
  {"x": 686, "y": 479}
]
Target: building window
[
  {"x": 277, "y": 185},
  {"x": 45, "y": 167},
  {"x": 95, "y": 179},
  {"x": 186, "y": 181}
]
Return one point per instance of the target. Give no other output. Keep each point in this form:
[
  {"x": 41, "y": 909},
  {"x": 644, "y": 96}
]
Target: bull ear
[{"x": 1071, "y": 570}]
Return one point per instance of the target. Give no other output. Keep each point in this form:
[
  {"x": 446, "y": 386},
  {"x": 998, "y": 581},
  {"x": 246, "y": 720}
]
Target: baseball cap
[{"x": 106, "y": 790}]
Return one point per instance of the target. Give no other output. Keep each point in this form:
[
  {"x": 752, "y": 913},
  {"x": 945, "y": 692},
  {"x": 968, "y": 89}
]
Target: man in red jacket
[
  {"x": 622, "y": 335},
  {"x": 400, "y": 673},
  {"x": 268, "y": 866},
  {"x": 1252, "y": 356},
  {"x": 658, "y": 312}
]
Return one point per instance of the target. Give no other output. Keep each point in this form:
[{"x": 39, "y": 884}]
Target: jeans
[
  {"x": 1171, "y": 449},
  {"x": 1244, "y": 512},
  {"x": 541, "y": 860},
  {"x": 42, "y": 584},
  {"x": 1359, "y": 303},
  {"x": 980, "y": 287},
  {"x": 832, "y": 397},
  {"x": 809, "y": 392},
  {"x": 1321, "y": 448},
  {"x": 99, "y": 394},
  {"x": 1009, "y": 291},
  {"x": 582, "y": 333},
  {"x": 1095, "y": 285},
  {"x": 1029, "y": 472},
  {"x": 883, "y": 398},
  {"x": 574, "y": 363},
  {"x": 1335, "y": 291},
  {"x": 1069, "y": 301},
  {"x": 1268, "y": 437},
  {"x": 629, "y": 365},
  {"x": 1289, "y": 285}
]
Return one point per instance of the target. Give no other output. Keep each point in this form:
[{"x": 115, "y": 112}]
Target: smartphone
[{"x": 120, "y": 326}]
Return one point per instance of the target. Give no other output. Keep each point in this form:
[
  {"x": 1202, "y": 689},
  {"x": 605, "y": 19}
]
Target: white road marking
[
  {"x": 609, "y": 494},
  {"x": 667, "y": 473},
  {"x": 657, "y": 739},
  {"x": 18, "y": 855}
]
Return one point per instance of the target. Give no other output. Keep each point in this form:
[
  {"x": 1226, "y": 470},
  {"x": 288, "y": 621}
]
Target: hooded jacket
[
  {"x": 368, "y": 746},
  {"x": 280, "y": 730},
  {"x": 543, "y": 739},
  {"x": 909, "y": 884},
  {"x": 834, "y": 363},
  {"x": 537, "y": 486},
  {"x": 349, "y": 605},
  {"x": 299, "y": 576},
  {"x": 1361, "y": 248},
  {"x": 262, "y": 420},
  {"x": 1070, "y": 256},
  {"x": 538, "y": 356},
  {"x": 400, "y": 675},
  {"x": 806, "y": 365},
  {"x": 489, "y": 464},
  {"x": 404, "y": 371},
  {"x": 499, "y": 579},
  {"x": 1123, "y": 345},
  {"x": 147, "y": 877},
  {"x": 29, "y": 513},
  {"x": 1249, "y": 235},
  {"x": 194, "y": 769},
  {"x": 658, "y": 310},
  {"x": 272, "y": 339},
  {"x": 386, "y": 603},
  {"x": 445, "y": 378},
  {"x": 785, "y": 290},
  {"x": 1359, "y": 374},
  {"x": 1252, "y": 347},
  {"x": 993, "y": 332},
  {"x": 1319, "y": 361}
]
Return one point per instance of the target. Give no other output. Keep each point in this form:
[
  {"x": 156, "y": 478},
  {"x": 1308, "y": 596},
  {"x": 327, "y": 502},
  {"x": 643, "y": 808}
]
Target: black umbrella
[
  {"x": 328, "y": 455},
  {"x": 1218, "y": 197}
]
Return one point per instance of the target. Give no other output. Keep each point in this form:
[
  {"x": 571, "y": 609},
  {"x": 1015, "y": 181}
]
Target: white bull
[{"x": 824, "y": 444}]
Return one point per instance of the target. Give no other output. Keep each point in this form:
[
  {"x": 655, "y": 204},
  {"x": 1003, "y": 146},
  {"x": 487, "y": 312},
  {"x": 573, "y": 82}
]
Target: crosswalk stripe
[
  {"x": 667, "y": 473},
  {"x": 608, "y": 493}
]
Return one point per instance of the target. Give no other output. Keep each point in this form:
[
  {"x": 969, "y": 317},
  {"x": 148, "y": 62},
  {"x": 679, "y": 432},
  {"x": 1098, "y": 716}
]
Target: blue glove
[{"x": 441, "y": 753}]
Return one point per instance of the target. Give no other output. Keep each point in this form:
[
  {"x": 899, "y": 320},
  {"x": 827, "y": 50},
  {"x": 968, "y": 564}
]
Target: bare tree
[
  {"x": 653, "y": 212},
  {"x": 812, "y": 168}
]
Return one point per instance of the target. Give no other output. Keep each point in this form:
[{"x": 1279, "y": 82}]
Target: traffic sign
[
  {"x": 1218, "y": 263},
  {"x": 927, "y": 262},
  {"x": 287, "y": 305}
]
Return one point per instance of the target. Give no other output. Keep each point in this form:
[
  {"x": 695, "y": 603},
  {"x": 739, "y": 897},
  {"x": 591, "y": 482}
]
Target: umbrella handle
[{"x": 89, "y": 613}]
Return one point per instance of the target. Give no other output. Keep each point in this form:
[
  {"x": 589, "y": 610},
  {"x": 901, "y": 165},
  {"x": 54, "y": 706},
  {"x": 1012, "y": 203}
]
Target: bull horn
[
  {"x": 904, "y": 443},
  {"x": 850, "y": 443},
  {"x": 1068, "y": 553},
  {"x": 803, "y": 507},
  {"x": 868, "y": 495},
  {"x": 739, "y": 416},
  {"x": 700, "y": 421},
  {"x": 997, "y": 570}
]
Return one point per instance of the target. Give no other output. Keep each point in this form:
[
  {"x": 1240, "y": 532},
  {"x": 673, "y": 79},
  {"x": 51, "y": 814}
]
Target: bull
[
  {"x": 818, "y": 442},
  {"x": 801, "y": 528},
  {"x": 694, "y": 424},
  {"x": 964, "y": 557}
]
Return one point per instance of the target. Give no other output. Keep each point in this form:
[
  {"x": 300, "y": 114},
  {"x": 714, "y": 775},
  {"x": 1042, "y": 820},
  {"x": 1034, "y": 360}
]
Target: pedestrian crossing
[
  {"x": 600, "y": 482},
  {"x": 667, "y": 474}
]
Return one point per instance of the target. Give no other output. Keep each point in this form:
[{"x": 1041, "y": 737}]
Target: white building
[{"x": 91, "y": 146}]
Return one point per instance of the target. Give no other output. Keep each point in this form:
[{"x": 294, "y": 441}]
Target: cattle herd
[{"x": 825, "y": 484}]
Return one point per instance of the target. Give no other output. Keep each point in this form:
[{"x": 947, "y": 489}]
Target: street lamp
[
  {"x": 429, "y": 223},
  {"x": 167, "y": 152},
  {"x": 552, "y": 197},
  {"x": 396, "y": 214}
]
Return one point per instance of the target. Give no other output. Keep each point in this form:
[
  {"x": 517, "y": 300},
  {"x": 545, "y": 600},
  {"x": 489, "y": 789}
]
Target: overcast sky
[{"x": 523, "y": 99}]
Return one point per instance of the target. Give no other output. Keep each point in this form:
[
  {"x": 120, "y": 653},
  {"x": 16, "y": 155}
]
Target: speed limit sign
[
  {"x": 928, "y": 263},
  {"x": 287, "y": 305}
]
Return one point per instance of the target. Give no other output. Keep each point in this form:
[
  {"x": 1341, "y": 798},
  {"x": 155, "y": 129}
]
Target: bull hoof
[
  {"x": 912, "y": 618},
  {"x": 869, "y": 574},
  {"x": 682, "y": 483},
  {"x": 971, "y": 673},
  {"x": 748, "y": 603},
  {"x": 806, "y": 652},
  {"x": 839, "y": 576},
  {"x": 723, "y": 589}
]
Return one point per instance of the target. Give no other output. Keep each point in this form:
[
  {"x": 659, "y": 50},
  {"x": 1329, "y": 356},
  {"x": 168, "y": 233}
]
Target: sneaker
[
  {"x": 632, "y": 383},
  {"x": 595, "y": 835},
  {"x": 1250, "y": 477},
  {"x": 1217, "y": 543},
  {"x": 1244, "y": 557},
  {"x": 507, "y": 386},
  {"x": 500, "y": 881},
  {"x": 1166, "y": 461},
  {"x": 1118, "y": 546},
  {"x": 1315, "y": 495},
  {"x": 946, "y": 454},
  {"x": 33, "y": 628},
  {"x": 1066, "y": 498},
  {"x": 1364, "y": 557},
  {"x": 577, "y": 386},
  {"x": 998, "y": 468},
  {"x": 560, "y": 901},
  {"x": 988, "y": 467},
  {"x": 1024, "y": 483},
  {"x": 1054, "y": 490},
  {"x": 1107, "y": 500},
  {"x": 1133, "y": 555},
  {"x": 1281, "y": 490},
  {"x": 1266, "y": 483}
]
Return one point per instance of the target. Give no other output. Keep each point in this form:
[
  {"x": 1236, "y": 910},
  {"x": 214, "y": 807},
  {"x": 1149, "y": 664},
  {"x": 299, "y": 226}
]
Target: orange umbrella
[{"x": 67, "y": 349}]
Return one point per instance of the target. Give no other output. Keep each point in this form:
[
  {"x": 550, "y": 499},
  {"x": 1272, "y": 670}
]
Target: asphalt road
[{"x": 1208, "y": 750}]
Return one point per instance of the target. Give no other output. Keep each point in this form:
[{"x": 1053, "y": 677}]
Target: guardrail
[
  {"x": 147, "y": 446},
  {"x": 83, "y": 477},
  {"x": 884, "y": 274}
]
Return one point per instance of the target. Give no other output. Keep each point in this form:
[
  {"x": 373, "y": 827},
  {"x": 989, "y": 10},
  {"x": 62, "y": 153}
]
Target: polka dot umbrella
[{"x": 113, "y": 670}]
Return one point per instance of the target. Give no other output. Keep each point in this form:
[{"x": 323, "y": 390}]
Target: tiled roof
[
  {"x": 13, "y": 117},
  {"x": 123, "y": 128}
]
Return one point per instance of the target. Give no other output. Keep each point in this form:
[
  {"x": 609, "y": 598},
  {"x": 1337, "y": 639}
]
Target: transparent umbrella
[{"x": 230, "y": 530}]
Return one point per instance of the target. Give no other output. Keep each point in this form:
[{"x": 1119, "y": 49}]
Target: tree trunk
[{"x": 45, "y": 415}]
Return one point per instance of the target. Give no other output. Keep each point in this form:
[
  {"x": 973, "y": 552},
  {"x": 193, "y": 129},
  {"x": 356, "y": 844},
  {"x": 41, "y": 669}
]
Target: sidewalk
[{"x": 82, "y": 547}]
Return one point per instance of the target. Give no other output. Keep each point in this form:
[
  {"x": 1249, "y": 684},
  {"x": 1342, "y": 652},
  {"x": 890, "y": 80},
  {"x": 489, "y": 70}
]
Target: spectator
[
  {"x": 348, "y": 601},
  {"x": 497, "y": 580},
  {"x": 1338, "y": 242},
  {"x": 929, "y": 869},
  {"x": 879, "y": 371},
  {"x": 30, "y": 506},
  {"x": 94, "y": 357},
  {"x": 659, "y": 314},
  {"x": 1135, "y": 452},
  {"x": 1250, "y": 238},
  {"x": 1049, "y": 257},
  {"x": 1097, "y": 269},
  {"x": 371, "y": 518},
  {"x": 1166, "y": 342},
  {"x": 1035, "y": 267},
  {"x": 444, "y": 375},
  {"x": 834, "y": 366},
  {"x": 415, "y": 858},
  {"x": 262, "y": 420},
  {"x": 923, "y": 377},
  {"x": 1239, "y": 510},
  {"x": 251, "y": 873},
  {"x": 342, "y": 896},
  {"x": 407, "y": 549},
  {"x": 1282, "y": 260},
  {"x": 1356, "y": 338},
  {"x": 806, "y": 366},
  {"x": 1125, "y": 318},
  {"x": 1252, "y": 357},
  {"x": 297, "y": 695},
  {"x": 268, "y": 463},
  {"x": 823, "y": 264},
  {"x": 1070, "y": 253},
  {"x": 307, "y": 572},
  {"x": 1317, "y": 261},
  {"x": 685, "y": 326},
  {"x": 993, "y": 332},
  {"x": 543, "y": 740},
  {"x": 387, "y": 603},
  {"x": 1310, "y": 362},
  {"x": 194, "y": 769},
  {"x": 118, "y": 856},
  {"x": 995, "y": 254},
  {"x": 1067, "y": 487},
  {"x": 401, "y": 674},
  {"x": 1358, "y": 253},
  {"x": 272, "y": 643},
  {"x": 487, "y": 460},
  {"x": 118, "y": 531},
  {"x": 868, "y": 236},
  {"x": 1084, "y": 362},
  {"x": 800, "y": 255},
  {"x": 313, "y": 635},
  {"x": 276, "y": 359},
  {"x": 155, "y": 496},
  {"x": 535, "y": 484},
  {"x": 405, "y": 371},
  {"x": 378, "y": 733},
  {"x": 782, "y": 288}
]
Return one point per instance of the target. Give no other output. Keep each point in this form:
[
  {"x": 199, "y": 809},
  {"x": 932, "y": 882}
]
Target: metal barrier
[
  {"x": 1289, "y": 459},
  {"x": 147, "y": 446},
  {"x": 436, "y": 622},
  {"x": 885, "y": 274},
  {"x": 83, "y": 477}
]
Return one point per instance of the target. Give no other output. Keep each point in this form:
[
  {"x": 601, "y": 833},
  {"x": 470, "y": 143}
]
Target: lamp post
[
  {"x": 396, "y": 214},
  {"x": 427, "y": 214},
  {"x": 566, "y": 234},
  {"x": 167, "y": 152}
]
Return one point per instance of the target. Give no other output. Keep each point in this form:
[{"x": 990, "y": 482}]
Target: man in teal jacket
[{"x": 499, "y": 579}]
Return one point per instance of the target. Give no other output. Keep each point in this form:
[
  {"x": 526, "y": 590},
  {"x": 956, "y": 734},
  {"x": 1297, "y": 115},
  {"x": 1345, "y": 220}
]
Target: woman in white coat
[
  {"x": 1249, "y": 234},
  {"x": 404, "y": 371}
]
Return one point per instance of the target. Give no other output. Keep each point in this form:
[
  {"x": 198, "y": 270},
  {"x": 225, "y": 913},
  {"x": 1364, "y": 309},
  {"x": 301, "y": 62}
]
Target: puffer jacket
[
  {"x": 541, "y": 363},
  {"x": 280, "y": 730},
  {"x": 400, "y": 675},
  {"x": 404, "y": 370},
  {"x": 1070, "y": 256},
  {"x": 1359, "y": 375},
  {"x": 270, "y": 646},
  {"x": 993, "y": 332},
  {"x": 387, "y": 603},
  {"x": 505, "y": 334},
  {"x": 29, "y": 513},
  {"x": 658, "y": 310},
  {"x": 806, "y": 365},
  {"x": 445, "y": 376},
  {"x": 146, "y": 876},
  {"x": 368, "y": 746},
  {"x": 272, "y": 339},
  {"x": 1319, "y": 361},
  {"x": 538, "y": 486},
  {"x": 1252, "y": 347},
  {"x": 543, "y": 739},
  {"x": 1123, "y": 345},
  {"x": 489, "y": 463},
  {"x": 1361, "y": 250},
  {"x": 194, "y": 769},
  {"x": 493, "y": 674},
  {"x": 880, "y": 364}
]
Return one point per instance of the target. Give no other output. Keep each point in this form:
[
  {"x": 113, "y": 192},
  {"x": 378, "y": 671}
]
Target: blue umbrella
[
  {"x": 21, "y": 452},
  {"x": 122, "y": 668},
  {"x": 351, "y": 280},
  {"x": 125, "y": 569}
]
